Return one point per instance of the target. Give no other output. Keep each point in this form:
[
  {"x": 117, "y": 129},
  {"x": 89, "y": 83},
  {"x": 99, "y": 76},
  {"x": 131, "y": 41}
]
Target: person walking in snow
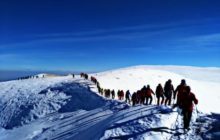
[
  {"x": 143, "y": 95},
  {"x": 180, "y": 90},
  {"x": 122, "y": 95},
  {"x": 168, "y": 91},
  {"x": 148, "y": 95},
  {"x": 107, "y": 93},
  {"x": 118, "y": 94},
  {"x": 138, "y": 97},
  {"x": 159, "y": 94},
  {"x": 99, "y": 89},
  {"x": 127, "y": 97},
  {"x": 113, "y": 94},
  {"x": 134, "y": 98},
  {"x": 186, "y": 101}
]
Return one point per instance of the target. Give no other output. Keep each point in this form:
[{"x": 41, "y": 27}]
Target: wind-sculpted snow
[
  {"x": 26, "y": 100},
  {"x": 139, "y": 122}
]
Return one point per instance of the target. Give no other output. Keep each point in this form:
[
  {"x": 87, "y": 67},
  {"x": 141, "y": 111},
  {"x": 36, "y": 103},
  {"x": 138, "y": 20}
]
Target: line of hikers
[
  {"x": 185, "y": 98},
  {"x": 84, "y": 75}
]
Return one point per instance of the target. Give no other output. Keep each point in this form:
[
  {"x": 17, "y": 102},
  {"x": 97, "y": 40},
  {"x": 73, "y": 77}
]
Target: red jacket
[
  {"x": 149, "y": 92},
  {"x": 187, "y": 100}
]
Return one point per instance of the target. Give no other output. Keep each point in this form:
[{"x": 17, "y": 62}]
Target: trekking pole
[
  {"x": 197, "y": 112},
  {"x": 174, "y": 126},
  {"x": 177, "y": 119},
  {"x": 173, "y": 101},
  {"x": 197, "y": 109},
  {"x": 155, "y": 99}
]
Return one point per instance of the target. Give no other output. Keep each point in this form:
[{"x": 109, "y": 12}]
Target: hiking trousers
[
  {"x": 187, "y": 115},
  {"x": 158, "y": 100},
  {"x": 148, "y": 98}
]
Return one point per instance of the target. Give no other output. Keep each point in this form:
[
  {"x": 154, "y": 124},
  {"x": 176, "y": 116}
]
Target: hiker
[
  {"x": 148, "y": 95},
  {"x": 122, "y": 95},
  {"x": 98, "y": 84},
  {"x": 127, "y": 97},
  {"x": 138, "y": 97},
  {"x": 168, "y": 91},
  {"x": 82, "y": 74},
  {"x": 186, "y": 102},
  {"x": 94, "y": 80},
  {"x": 143, "y": 95},
  {"x": 107, "y": 93},
  {"x": 86, "y": 76},
  {"x": 119, "y": 94},
  {"x": 159, "y": 94},
  {"x": 113, "y": 94},
  {"x": 181, "y": 89},
  {"x": 134, "y": 98},
  {"x": 101, "y": 91}
]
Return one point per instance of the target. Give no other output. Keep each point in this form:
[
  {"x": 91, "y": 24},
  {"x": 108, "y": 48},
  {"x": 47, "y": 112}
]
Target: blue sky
[{"x": 98, "y": 35}]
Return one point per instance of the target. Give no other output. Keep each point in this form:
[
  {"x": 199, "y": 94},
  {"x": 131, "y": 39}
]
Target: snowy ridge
[
  {"x": 65, "y": 108},
  {"x": 133, "y": 78}
]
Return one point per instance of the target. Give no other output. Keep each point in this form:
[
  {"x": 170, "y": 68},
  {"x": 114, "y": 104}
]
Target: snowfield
[
  {"x": 204, "y": 82},
  {"x": 62, "y": 107}
]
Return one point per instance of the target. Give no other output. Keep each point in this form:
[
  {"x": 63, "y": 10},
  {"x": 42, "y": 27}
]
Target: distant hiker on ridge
[
  {"x": 134, "y": 98},
  {"x": 159, "y": 94},
  {"x": 148, "y": 95},
  {"x": 113, "y": 94},
  {"x": 127, "y": 97},
  {"x": 168, "y": 91},
  {"x": 120, "y": 94},
  {"x": 143, "y": 92},
  {"x": 139, "y": 96},
  {"x": 181, "y": 89}
]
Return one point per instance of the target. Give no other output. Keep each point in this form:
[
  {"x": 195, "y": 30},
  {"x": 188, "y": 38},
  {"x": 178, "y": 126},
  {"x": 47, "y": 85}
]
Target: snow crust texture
[{"x": 26, "y": 100}]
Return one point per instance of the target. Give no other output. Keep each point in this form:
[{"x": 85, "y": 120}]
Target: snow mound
[{"x": 26, "y": 100}]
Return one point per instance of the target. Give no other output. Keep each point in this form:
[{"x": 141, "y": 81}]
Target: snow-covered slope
[
  {"x": 204, "y": 82},
  {"x": 25, "y": 100},
  {"x": 65, "y": 108}
]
